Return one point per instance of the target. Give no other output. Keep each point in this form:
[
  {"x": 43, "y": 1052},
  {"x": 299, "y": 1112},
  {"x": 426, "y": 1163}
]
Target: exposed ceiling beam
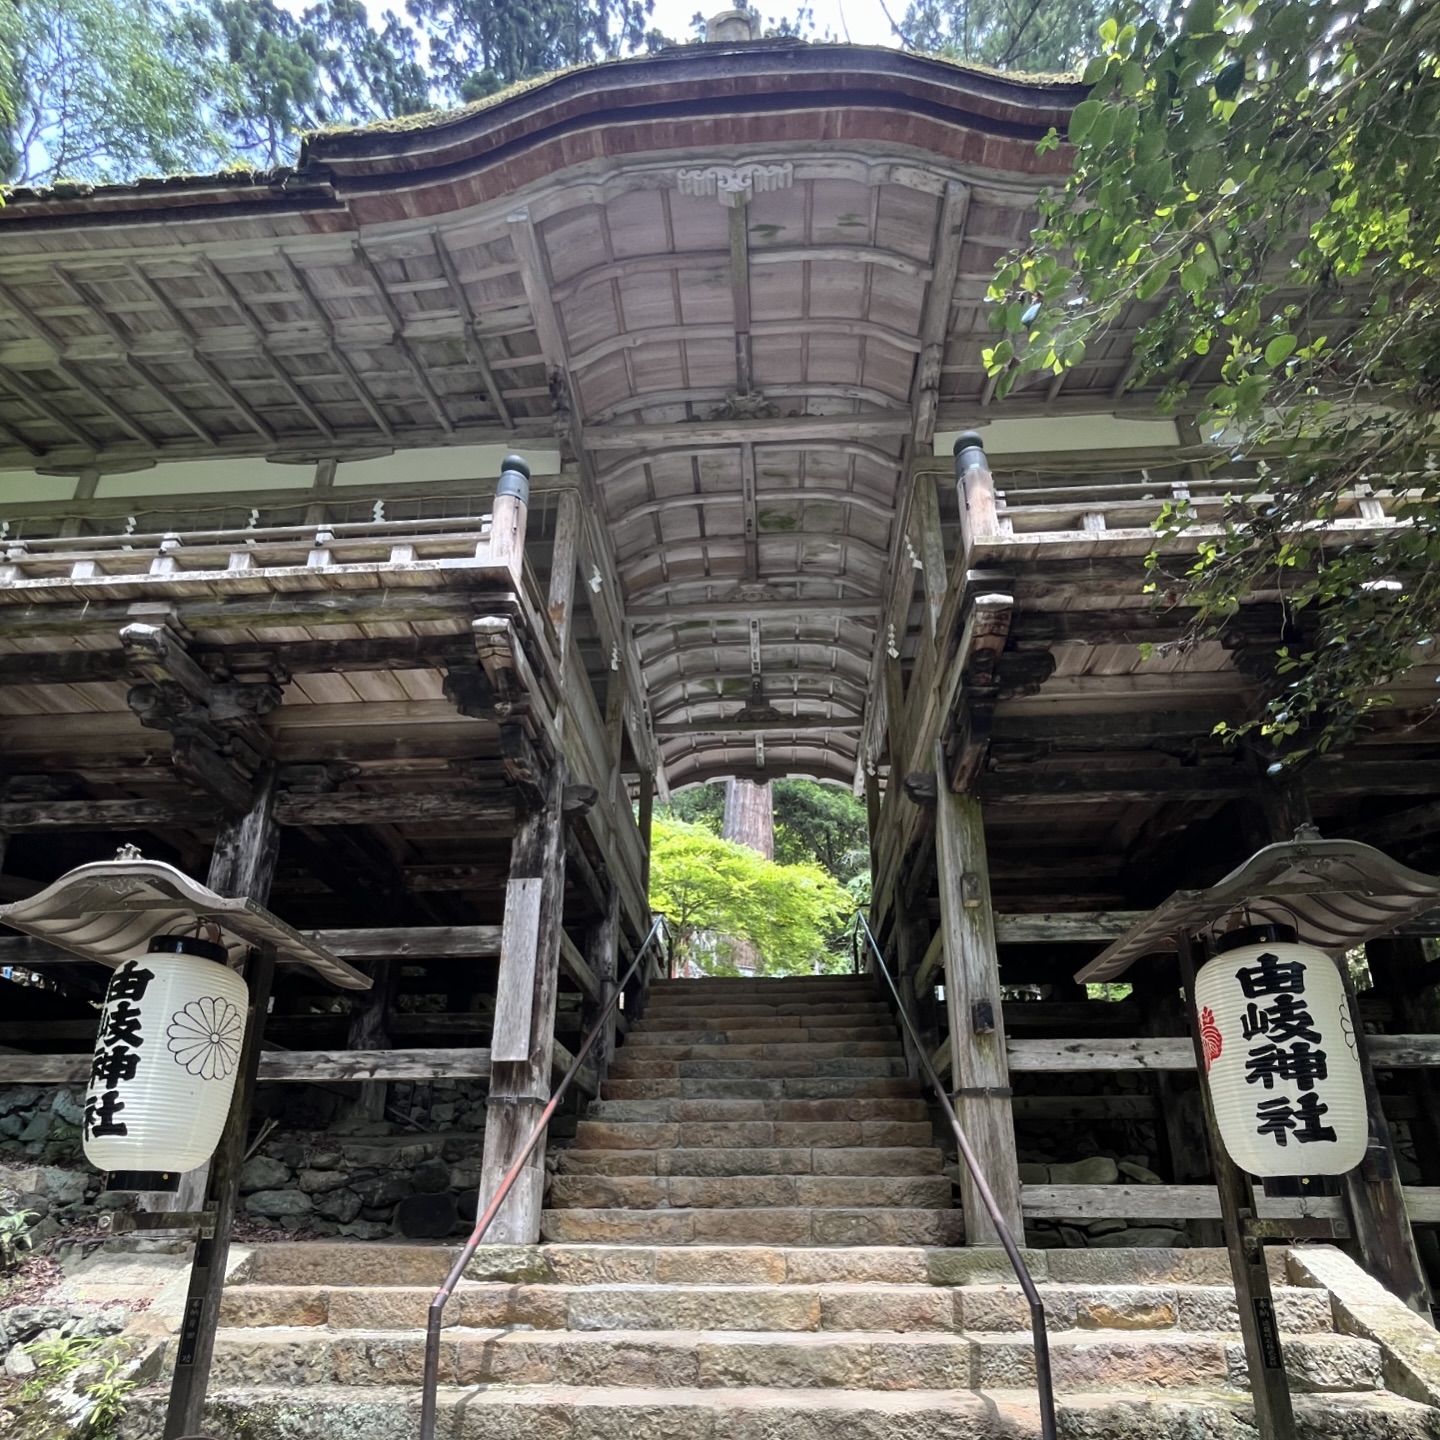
[
  {"x": 539, "y": 289},
  {"x": 881, "y": 509},
  {"x": 337, "y": 350},
  {"x": 423, "y": 383},
  {"x": 133, "y": 361},
  {"x": 282, "y": 377},
  {"x": 742, "y": 610},
  {"x": 935, "y": 321},
  {"x": 181, "y": 322},
  {"x": 670, "y": 730},
  {"x": 472, "y": 339},
  {"x": 787, "y": 429}
]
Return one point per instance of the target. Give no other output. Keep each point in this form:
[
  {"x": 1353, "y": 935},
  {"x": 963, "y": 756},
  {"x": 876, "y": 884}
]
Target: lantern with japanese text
[
  {"x": 165, "y": 1063},
  {"x": 1280, "y": 1056}
]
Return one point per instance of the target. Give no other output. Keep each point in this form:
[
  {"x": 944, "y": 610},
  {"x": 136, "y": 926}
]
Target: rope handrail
[
  {"x": 1044, "y": 1381},
  {"x": 435, "y": 1318}
]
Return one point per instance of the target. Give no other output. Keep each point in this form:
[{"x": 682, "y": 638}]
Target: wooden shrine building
[{"x": 264, "y": 617}]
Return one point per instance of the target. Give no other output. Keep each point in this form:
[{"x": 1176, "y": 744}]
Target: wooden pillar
[
  {"x": 646, "y": 819},
  {"x": 561, "y": 599},
  {"x": 980, "y": 1073},
  {"x": 1376, "y": 1195},
  {"x": 979, "y": 514},
  {"x": 909, "y": 951},
  {"x": 1269, "y": 1389},
  {"x": 508, "y": 514},
  {"x": 602, "y": 954},
  {"x": 244, "y": 864},
  {"x": 521, "y": 1045},
  {"x": 369, "y": 1029},
  {"x": 932, "y": 547},
  {"x": 1398, "y": 967}
]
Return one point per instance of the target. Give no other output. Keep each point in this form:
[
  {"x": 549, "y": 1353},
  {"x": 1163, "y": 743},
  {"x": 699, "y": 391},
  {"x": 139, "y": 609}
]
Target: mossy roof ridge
[{"x": 440, "y": 116}]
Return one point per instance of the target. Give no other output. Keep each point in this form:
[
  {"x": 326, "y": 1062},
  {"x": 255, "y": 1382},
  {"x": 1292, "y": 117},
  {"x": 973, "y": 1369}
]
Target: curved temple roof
[{"x": 744, "y": 282}]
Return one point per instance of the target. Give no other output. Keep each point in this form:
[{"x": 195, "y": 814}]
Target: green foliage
[
  {"x": 104, "y": 90},
  {"x": 15, "y": 1237},
  {"x": 1262, "y": 181},
  {"x": 478, "y": 46},
  {"x": 1007, "y": 34},
  {"x": 100, "y": 1372},
  {"x": 708, "y": 889},
  {"x": 702, "y": 805},
  {"x": 814, "y": 824},
  {"x": 107, "y": 1396},
  {"x": 821, "y": 825}
]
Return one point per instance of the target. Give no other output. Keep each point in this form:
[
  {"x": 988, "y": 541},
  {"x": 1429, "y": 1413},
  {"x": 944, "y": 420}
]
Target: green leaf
[
  {"x": 1278, "y": 351},
  {"x": 1082, "y": 120},
  {"x": 1230, "y": 79}
]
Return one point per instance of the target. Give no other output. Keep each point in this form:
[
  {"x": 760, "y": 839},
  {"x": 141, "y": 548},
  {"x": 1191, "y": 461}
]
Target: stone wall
[{"x": 320, "y": 1168}]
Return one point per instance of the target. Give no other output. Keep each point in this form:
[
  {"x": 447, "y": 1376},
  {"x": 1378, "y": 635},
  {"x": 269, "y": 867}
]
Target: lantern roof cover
[
  {"x": 108, "y": 911},
  {"x": 1333, "y": 893}
]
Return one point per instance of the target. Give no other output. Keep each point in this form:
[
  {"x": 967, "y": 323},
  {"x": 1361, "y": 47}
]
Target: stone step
[
  {"x": 721, "y": 1108},
  {"x": 641, "y": 1037},
  {"x": 726, "y": 1192},
  {"x": 776, "y": 983},
  {"x": 844, "y": 1018},
  {"x": 841, "y": 1066},
  {"x": 808, "y": 1012},
  {"x": 755, "y": 1227},
  {"x": 729, "y": 1359},
  {"x": 742, "y": 1134},
  {"x": 707, "y": 1281},
  {"x": 809, "y": 1088},
  {"x": 787, "y": 1049},
  {"x": 589, "y": 1412},
  {"x": 1169, "y": 1275},
  {"x": 861, "y": 1160}
]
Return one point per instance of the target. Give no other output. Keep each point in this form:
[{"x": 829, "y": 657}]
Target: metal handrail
[
  {"x": 435, "y": 1318},
  {"x": 1044, "y": 1382}
]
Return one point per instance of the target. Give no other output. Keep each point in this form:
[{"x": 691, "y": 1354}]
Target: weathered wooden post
[
  {"x": 524, "y": 1033},
  {"x": 1269, "y": 1388},
  {"x": 979, "y": 515},
  {"x": 509, "y": 512},
  {"x": 980, "y": 1071}
]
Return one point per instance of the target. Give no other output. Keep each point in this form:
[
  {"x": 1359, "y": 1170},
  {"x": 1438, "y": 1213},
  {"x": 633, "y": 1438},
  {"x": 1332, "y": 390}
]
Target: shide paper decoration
[
  {"x": 165, "y": 1063},
  {"x": 1280, "y": 1056}
]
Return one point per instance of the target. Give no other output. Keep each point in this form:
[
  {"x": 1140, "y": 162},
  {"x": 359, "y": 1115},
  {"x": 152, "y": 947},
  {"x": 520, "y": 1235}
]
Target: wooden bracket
[{"x": 217, "y": 741}]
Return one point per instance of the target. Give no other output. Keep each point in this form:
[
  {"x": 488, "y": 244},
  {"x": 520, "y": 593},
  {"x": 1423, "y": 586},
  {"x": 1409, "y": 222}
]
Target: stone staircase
[
  {"x": 752, "y": 1240},
  {"x": 757, "y": 1112},
  {"x": 644, "y": 1342}
]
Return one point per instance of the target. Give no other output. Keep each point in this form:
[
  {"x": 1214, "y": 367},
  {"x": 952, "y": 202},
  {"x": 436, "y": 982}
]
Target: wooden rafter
[
  {"x": 362, "y": 392},
  {"x": 132, "y": 360},
  {"x": 401, "y": 344},
  {"x": 178, "y": 319},
  {"x": 472, "y": 339},
  {"x": 32, "y": 397},
  {"x": 227, "y": 288}
]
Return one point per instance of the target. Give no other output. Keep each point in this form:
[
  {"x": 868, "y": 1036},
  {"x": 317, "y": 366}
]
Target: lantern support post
[
  {"x": 195, "y": 1344},
  {"x": 1269, "y": 1387}
]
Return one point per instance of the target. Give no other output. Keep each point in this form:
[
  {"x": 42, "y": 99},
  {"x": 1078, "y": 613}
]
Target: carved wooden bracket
[{"x": 217, "y": 741}]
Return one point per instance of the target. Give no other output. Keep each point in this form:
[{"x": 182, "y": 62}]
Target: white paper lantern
[
  {"x": 1281, "y": 1060},
  {"x": 165, "y": 1063}
]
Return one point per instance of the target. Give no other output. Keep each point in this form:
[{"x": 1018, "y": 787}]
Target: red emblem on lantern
[{"x": 1211, "y": 1041}]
